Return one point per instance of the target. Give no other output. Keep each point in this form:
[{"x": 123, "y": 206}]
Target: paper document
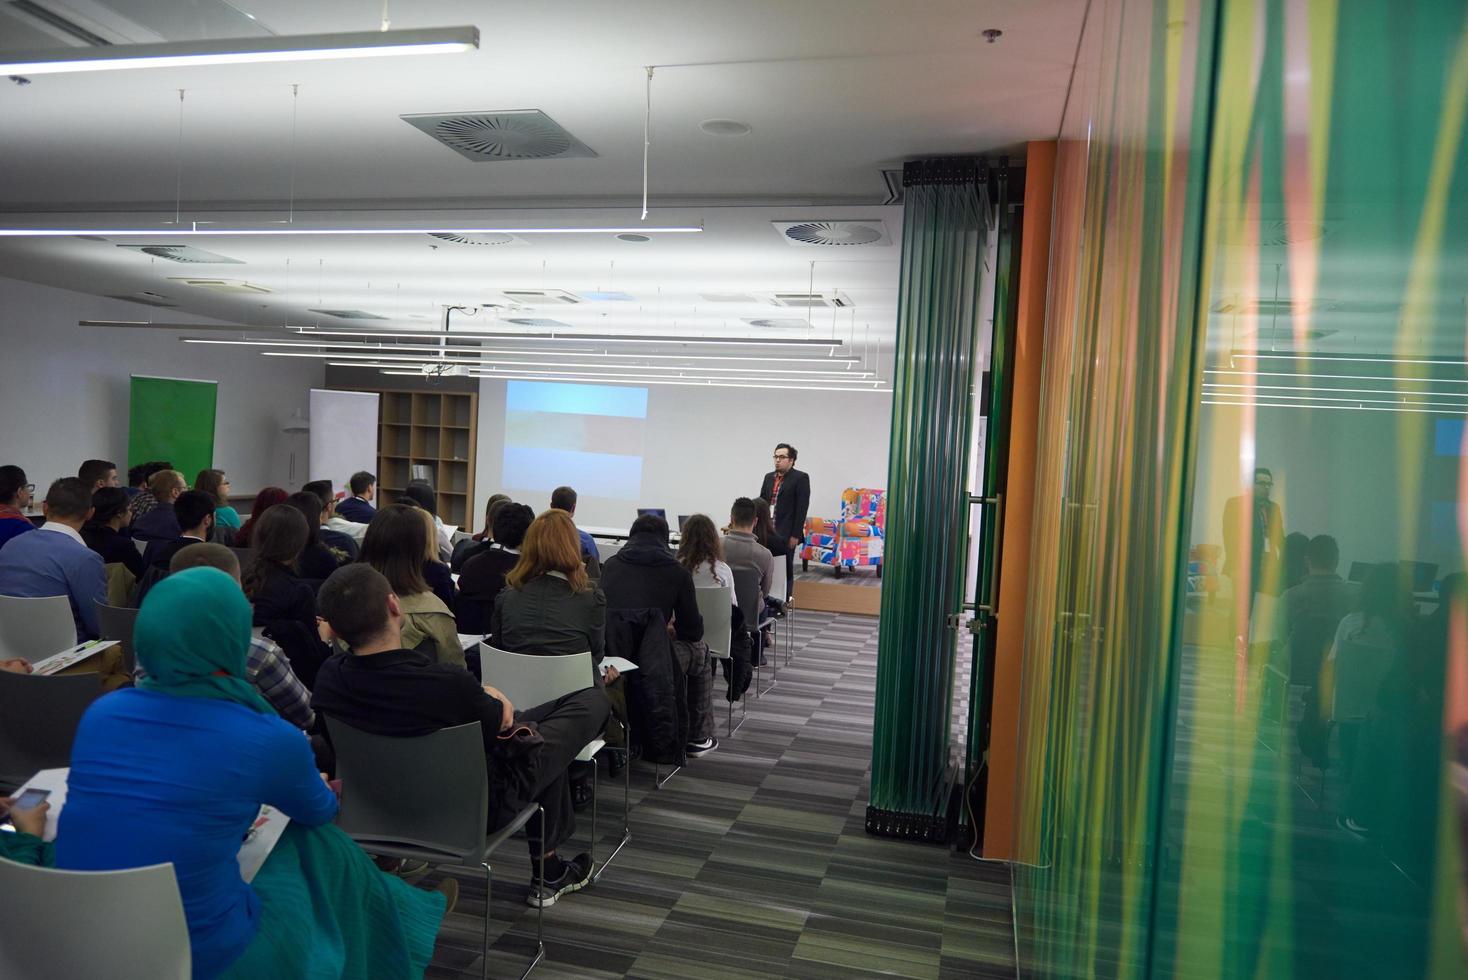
[
  {"x": 470, "y": 640},
  {"x": 622, "y": 665},
  {"x": 60, "y": 661},
  {"x": 260, "y": 839}
]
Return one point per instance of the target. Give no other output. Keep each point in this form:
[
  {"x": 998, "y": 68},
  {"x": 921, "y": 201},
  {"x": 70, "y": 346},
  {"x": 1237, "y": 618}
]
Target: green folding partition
[{"x": 172, "y": 419}]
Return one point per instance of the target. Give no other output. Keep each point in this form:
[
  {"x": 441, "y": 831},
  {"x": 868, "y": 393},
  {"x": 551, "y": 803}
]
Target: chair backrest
[
  {"x": 863, "y": 504},
  {"x": 779, "y": 587},
  {"x": 746, "y": 593},
  {"x": 529, "y": 679},
  {"x": 39, "y": 716},
  {"x": 124, "y": 925},
  {"x": 33, "y": 629},
  {"x": 117, "y": 624},
  {"x": 427, "y": 791},
  {"x": 606, "y": 549},
  {"x": 715, "y": 605}
]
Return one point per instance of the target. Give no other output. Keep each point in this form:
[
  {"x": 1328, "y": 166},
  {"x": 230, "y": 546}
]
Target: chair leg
[
  {"x": 626, "y": 815},
  {"x": 594, "y": 802}
]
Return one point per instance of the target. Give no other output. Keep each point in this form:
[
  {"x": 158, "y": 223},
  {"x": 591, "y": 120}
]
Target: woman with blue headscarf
[{"x": 176, "y": 769}]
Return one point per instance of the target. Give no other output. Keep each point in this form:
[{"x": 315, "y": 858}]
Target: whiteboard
[{"x": 343, "y": 435}]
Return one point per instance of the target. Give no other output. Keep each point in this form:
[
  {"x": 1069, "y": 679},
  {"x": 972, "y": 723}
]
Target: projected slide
[{"x": 586, "y": 436}]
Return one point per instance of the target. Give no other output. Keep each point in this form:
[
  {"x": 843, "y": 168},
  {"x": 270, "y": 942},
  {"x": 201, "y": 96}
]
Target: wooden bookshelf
[{"x": 436, "y": 429}]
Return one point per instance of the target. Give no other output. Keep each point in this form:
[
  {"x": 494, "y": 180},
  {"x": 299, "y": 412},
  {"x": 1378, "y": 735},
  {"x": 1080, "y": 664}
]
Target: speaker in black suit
[{"x": 787, "y": 490}]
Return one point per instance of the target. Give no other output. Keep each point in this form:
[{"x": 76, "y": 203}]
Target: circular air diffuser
[
  {"x": 505, "y": 136},
  {"x": 448, "y": 236},
  {"x": 833, "y": 233}
]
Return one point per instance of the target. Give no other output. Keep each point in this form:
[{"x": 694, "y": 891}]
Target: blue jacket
[
  {"x": 53, "y": 563},
  {"x": 355, "y": 509},
  {"x": 12, "y": 526}
]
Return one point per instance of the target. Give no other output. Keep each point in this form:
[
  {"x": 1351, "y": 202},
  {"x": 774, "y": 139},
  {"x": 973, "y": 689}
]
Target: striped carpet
[{"x": 752, "y": 862}]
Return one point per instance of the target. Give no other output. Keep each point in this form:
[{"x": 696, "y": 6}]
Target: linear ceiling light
[
  {"x": 1337, "y": 377},
  {"x": 1367, "y": 359},
  {"x": 569, "y": 338},
  {"x": 560, "y": 366},
  {"x": 778, "y": 385},
  {"x": 237, "y": 51},
  {"x": 1340, "y": 408},
  {"x": 522, "y": 352},
  {"x": 284, "y": 228},
  {"x": 1329, "y": 389}
]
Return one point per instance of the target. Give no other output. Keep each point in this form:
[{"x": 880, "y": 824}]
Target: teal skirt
[{"x": 326, "y": 911}]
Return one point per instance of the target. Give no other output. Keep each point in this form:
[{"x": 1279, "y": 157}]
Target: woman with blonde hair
[
  {"x": 548, "y": 604},
  {"x": 396, "y": 542}
]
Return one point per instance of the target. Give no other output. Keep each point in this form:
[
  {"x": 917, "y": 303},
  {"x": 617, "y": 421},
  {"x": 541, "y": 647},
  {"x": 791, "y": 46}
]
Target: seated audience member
[
  {"x": 385, "y": 687},
  {"x": 25, "y": 845},
  {"x": 175, "y": 771},
  {"x": 397, "y": 539},
  {"x": 344, "y": 538},
  {"x": 479, "y": 543},
  {"x": 58, "y": 562},
  {"x": 435, "y": 572},
  {"x": 266, "y": 666},
  {"x": 160, "y": 523},
  {"x": 137, "y": 480},
  {"x": 15, "y": 497},
  {"x": 742, "y": 547},
  {"x": 284, "y": 603},
  {"x": 316, "y": 561},
  {"x": 645, "y": 575},
  {"x": 548, "y": 604},
  {"x": 104, "y": 535},
  {"x": 483, "y": 575},
  {"x": 564, "y": 498},
  {"x": 264, "y": 500},
  {"x": 194, "y": 510},
  {"x": 358, "y": 507},
  {"x": 420, "y": 493},
  {"x": 764, "y": 524},
  {"x": 98, "y": 473},
  {"x": 216, "y": 485},
  {"x": 701, "y": 551},
  {"x": 144, "y": 501}
]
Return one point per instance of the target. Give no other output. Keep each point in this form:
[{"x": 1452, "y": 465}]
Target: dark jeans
[{"x": 566, "y": 724}]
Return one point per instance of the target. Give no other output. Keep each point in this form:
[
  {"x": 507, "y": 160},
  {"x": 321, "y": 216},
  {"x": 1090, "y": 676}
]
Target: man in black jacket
[
  {"x": 644, "y": 574},
  {"x": 787, "y": 490}
]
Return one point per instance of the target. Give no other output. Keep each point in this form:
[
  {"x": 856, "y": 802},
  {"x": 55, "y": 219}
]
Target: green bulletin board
[{"x": 172, "y": 419}]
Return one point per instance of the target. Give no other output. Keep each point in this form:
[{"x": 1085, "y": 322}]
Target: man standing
[
  {"x": 358, "y": 507},
  {"x": 787, "y": 490},
  {"x": 1253, "y": 537}
]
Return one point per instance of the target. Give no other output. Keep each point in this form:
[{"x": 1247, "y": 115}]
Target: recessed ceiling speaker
[
  {"x": 778, "y": 323},
  {"x": 824, "y": 233},
  {"x": 512, "y": 134},
  {"x": 457, "y": 239},
  {"x": 629, "y": 237},
  {"x": 184, "y": 253},
  {"x": 724, "y": 127}
]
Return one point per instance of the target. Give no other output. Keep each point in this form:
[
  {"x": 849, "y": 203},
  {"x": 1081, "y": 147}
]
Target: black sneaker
[
  {"x": 696, "y": 750},
  {"x": 575, "y": 875}
]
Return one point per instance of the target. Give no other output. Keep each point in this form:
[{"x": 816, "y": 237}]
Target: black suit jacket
[{"x": 790, "y": 509}]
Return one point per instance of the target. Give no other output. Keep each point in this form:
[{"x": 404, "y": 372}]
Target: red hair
[{"x": 264, "y": 500}]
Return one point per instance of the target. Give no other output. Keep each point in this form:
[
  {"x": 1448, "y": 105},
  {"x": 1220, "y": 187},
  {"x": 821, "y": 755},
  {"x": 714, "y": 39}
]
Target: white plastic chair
[
  {"x": 780, "y": 589},
  {"x": 33, "y": 629},
  {"x": 716, "y": 607},
  {"x": 123, "y": 925},
  {"x": 747, "y": 592},
  {"x": 530, "y": 679}
]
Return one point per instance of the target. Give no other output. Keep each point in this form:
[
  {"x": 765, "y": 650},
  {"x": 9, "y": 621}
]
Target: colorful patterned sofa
[{"x": 854, "y": 539}]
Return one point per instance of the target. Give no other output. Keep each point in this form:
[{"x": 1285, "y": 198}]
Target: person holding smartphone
[{"x": 27, "y": 814}]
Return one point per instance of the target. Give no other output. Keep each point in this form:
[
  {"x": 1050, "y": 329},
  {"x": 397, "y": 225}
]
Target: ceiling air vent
[
  {"x": 184, "y": 253},
  {"x": 608, "y": 297},
  {"x": 806, "y": 301},
  {"x": 221, "y": 285},
  {"x": 456, "y": 239},
  {"x": 513, "y": 134},
  {"x": 778, "y": 323},
  {"x": 350, "y": 314},
  {"x": 536, "y": 321},
  {"x": 727, "y": 298},
  {"x": 867, "y": 232},
  {"x": 533, "y": 296}
]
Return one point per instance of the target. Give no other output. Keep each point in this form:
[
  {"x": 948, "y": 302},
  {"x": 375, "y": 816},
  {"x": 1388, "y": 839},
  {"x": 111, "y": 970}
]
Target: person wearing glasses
[
  {"x": 15, "y": 497},
  {"x": 1253, "y": 536},
  {"x": 787, "y": 490}
]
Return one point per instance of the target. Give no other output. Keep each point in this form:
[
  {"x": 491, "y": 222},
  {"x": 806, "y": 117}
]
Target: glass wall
[
  {"x": 1244, "y": 747},
  {"x": 1310, "y": 816}
]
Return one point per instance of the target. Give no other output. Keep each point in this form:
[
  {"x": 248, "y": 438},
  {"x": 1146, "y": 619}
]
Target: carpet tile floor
[{"x": 752, "y": 862}]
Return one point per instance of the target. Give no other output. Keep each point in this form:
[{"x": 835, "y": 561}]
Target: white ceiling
[{"x": 834, "y": 90}]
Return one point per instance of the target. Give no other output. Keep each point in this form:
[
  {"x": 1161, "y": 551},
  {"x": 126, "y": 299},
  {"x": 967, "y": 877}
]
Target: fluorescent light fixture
[
  {"x": 1327, "y": 389},
  {"x": 1340, "y": 408},
  {"x": 570, "y": 338},
  {"x": 521, "y": 352},
  {"x": 283, "y": 228},
  {"x": 776, "y": 385},
  {"x": 1367, "y": 359},
  {"x": 239, "y": 51},
  {"x": 372, "y": 360},
  {"x": 1336, "y": 377}
]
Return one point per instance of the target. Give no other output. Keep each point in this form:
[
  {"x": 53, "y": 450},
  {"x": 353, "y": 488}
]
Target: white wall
[
  {"x": 1370, "y": 479},
  {"x": 64, "y": 388},
  {"x": 706, "y": 446}
]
